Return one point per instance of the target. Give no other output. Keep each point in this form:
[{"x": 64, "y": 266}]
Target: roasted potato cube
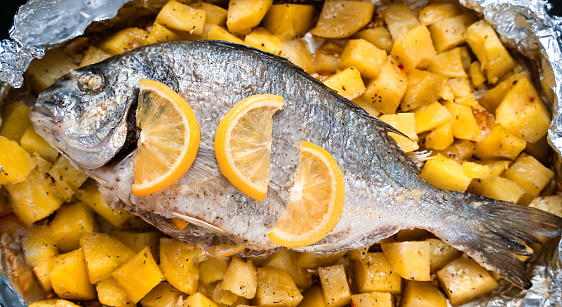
[
  {"x": 348, "y": 83},
  {"x": 313, "y": 298},
  {"x": 386, "y": 91},
  {"x": 43, "y": 272},
  {"x": 240, "y": 278},
  {"x": 110, "y": 293},
  {"x": 399, "y": 19},
  {"x": 67, "y": 178},
  {"x": 423, "y": 88},
  {"x": 552, "y": 204},
  {"x": 44, "y": 303},
  {"x": 103, "y": 254},
  {"x": 69, "y": 277},
  {"x": 16, "y": 163},
  {"x": 124, "y": 40},
  {"x": 436, "y": 12},
  {"x": 199, "y": 300},
  {"x": 409, "y": 259},
  {"x": 260, "y": 38},
  {"x": 139, "y": 275},
  {"x": 243, "y": 15},
  {"x": 93, "y": 55},
  {"x": 465, "y": 126},
  {"x": 289, "y": 21},
  {"x": 446, "y": 174},
  {"x": 501, "y": 188},
  {"x": 287, "y": 260},
  {"x": 159, "y": 33},
  {"x": 216, "y": 15},
  {"x": 162, "y": 295},
  {"x": 405, "y": 123},
  {"x": 440, "y": 137},
  {"x": 430, "y": 116},
  {"x": 540, "y": 150},
  {"x": 212, "y": 269},
  {"x": 523, "y": 113},
  {"x": 43, "y": 72},
  {"x": 89, "y": 194},
  {"x": 137, "y": 240},
  {"x": 440, "y": 253},
  {"x": 334, "y": 285},
  {"x": 414, "y": 49},
  {"x": 34, "y": 143},
  {"x": 364, "y": 56},
  {"x": 448, "y": 64},
  {"x": 486, "y": 45},
  {"x": 15, "y": 120},
  {"x": 296, "y": 51},
  {"x": 374, "y": 273},
  {"x": 222, "y": 296},
  {"x": 327, "y": 57},
  {"x": 476, "y": 170},
  {"x": 178, "y": 262},
  {"x": 494, "y": 96},
  {"x": 422, "y": 294},
  {"x": 70, "y": 224},
  {"x": 220, "y": 33},
  {"x": 451, "y": 32},
  {"x": 478, "y": 78},
  {"x": 366, "y": 105},
  {"x": 464, "y": 280},
  {"x": 372, "y": 299},
  {"x": 276, "y": 288},
  {"x": 460, "y": 150},
  {"x": 312, "y": 261},
  {"x": 499, "y": 144},
  {"x": 39, "y": 245},
  {"x": 340, "y": 19},
  {"x": 378, "y": 36},
  {"x": 182, "y": 18},
  {"x": 529, "y": 174}
]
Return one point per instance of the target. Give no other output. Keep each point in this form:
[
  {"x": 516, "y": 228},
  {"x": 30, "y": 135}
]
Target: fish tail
[{"x": 494, "y": 232}]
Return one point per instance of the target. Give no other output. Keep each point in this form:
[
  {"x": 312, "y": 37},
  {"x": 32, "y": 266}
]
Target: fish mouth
[{"x": 133, "y": 133}]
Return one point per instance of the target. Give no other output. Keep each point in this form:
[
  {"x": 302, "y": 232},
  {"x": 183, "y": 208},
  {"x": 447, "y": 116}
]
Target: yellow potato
[{"x": 340, "y": 19}]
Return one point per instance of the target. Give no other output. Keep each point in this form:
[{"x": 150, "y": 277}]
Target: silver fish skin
[{"x": 88, "y": 115}]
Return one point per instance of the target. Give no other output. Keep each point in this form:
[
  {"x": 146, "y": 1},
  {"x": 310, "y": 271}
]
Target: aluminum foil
[{"x": 523, "y": 25}]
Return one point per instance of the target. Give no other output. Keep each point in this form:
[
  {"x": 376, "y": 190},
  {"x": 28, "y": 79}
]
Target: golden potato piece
[{"x": 340, "y": 19}]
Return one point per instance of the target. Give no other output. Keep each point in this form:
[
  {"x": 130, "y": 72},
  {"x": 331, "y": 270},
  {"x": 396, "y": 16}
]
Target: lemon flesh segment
[
  {"x": 316, "y": 200},
  {"x": 169, "y": 138},
  {"x": 243, "y": 143}
]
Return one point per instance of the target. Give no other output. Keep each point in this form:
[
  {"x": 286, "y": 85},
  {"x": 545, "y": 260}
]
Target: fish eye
[{"x": 90, "y": 82}]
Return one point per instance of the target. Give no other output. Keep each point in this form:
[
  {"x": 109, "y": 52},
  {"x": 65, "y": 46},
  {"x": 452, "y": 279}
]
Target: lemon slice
[
  {"x": 243, "y": 143},
  {"x": 169, "y": 138},
  {"x": 315, "y": 202}
]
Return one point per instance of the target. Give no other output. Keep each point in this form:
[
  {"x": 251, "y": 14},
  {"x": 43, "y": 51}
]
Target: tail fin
[{"x": 494, "y": 232}]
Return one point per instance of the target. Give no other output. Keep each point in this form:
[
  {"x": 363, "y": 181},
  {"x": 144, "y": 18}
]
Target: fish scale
[{"x": 383, "y": 192}]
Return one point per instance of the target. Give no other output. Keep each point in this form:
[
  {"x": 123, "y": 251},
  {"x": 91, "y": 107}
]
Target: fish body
[{"x": 88, "y": 115}]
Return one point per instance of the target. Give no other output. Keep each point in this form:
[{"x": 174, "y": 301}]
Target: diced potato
[
  {"x": 243, "y": 15},
  {"x": 522, "y": 112},
  {"x": 43, "y": 272},
  {"x": 464, "y": 280},
  {"x": 178, "y": 261},
  {"x": 67, "y": 178},
  {"x": 448, "y": 64},
  {"x": 465, "y": 126},
  {"x": 414, "y": 49},
  {"x": 287, "y": 260},
  {"x": 469, "y": 101},
  {"x": 492, "y": 54},
  {"x": 16, "y": 163},
  {"x": 430, "y": 116},
  {"x": 137, "y": 240},
  {"x": 216, "y": 15},
  {"x": 409, "y": 259},
  {"x": 364, "y": 56},
  {"x": 212, "y": 269},
  {"x": 501, "y": 188},
  {"x": 15, "y": 120},
  {"x": 327, "y": 57},
  {"x": 110, "y": 293},
  {"x": 159, "y": 33},
  {"x": 334, "y": 285},
  {"x": 552, "y": 204},
  {"x": 441, "y": 253},
  {"x": 162, "y": 295},
  {"x": 260, "y": 38},
  {"x": 378, "y": 36},
  {"x": 44, "y": 303},
  {"x": 221, "y": 34},
  {"x": 423, "y": 88},
  {"x": 405, "y": 123},
  {"x": 476, "y": 170},
  {"x": 289, "y": 21},
  {"x": 93, "y": 55},
  {"x": 182, "y": 18},
  {"x": 313, "y": 298},
  {"x": 440, "y": 137},
  {"x": 461, "y": 87},
  {"x": 89, "y": 194},
  {"x": 529, "y": 174},
  {"x": 139, "y": 275},
  {"x": 436, "y": 12},
  {"x": 39, "y": 245},
  {"x": 499, "y": 144},
  {"x": 312, "y": 261},
  {"x": 199, "y": 300},
  {"x": 374, "y": 273},
  {"x": 70, "y": 224},
  {"x": 422, "y": 294},
  {"x": 366, "y": 105},
  {"x": 347, "y": 83},
  {"x": 296, "y": 51},
  {"x": 340, "y": 19},
  {"x": 103, "y": 254},
  {"x": 540, "y": 150},
  {"x": 44, "y": 72},
  {"x": 387, "y": 90},
  {"x": 34, "y": 143},
  {"x": 276, "y": 288},
  {"x": 460, "y": 150},
  {"x": 497, "y": 167},
  {"x": 451, "y": 32},
  {"x": 478, "y": 78},
  {"x": 222, "y": 296},
  {"x": 372, "y": 299},
  {"x": 124, "y": 40},
  {"x": 35, "y": 198},
  {"x": 445, "y": 173},
  {"x": 399, "y": 19},
  {"x": 494, "y": 96},
  {"x": 69, "y": 277},
  {"x": 240, "y": 278}
]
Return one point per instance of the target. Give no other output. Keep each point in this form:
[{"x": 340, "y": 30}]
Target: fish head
[{"x": 86, "y": 113}]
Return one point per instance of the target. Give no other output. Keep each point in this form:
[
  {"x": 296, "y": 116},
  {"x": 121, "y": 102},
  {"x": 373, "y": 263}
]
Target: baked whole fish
[{"x": 89, "y": 116}]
